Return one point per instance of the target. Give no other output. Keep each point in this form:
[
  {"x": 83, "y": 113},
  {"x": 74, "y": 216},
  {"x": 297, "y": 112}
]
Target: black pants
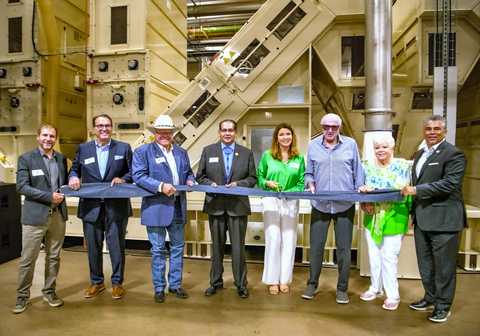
[
  {"x": 437, "y": 254},
  {"x": 237, "y": 228},
  {"x": 343, "y": 225}
]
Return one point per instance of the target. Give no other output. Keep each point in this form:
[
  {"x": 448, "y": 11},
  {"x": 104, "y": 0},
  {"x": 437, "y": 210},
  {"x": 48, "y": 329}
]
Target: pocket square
[
  {"x": 433, "y": 163},
  {"x": 118, "y": 157}
]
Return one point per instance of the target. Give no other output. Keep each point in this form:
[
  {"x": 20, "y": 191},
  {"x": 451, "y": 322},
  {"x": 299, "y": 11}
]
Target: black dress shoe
[
  {"x": 212, "y": 290},
  {"x": 421, "y": 305},
  {"x": 159, "y": 296},
  {"x": 439, "y": 315},
  {"x": 181, "y": 294},
  {"x": 242, "y": 292}
]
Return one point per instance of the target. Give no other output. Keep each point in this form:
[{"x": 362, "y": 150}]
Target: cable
[{"x": 33, "y": 39}]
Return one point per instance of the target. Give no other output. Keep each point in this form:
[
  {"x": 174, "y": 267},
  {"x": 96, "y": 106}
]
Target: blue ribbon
[{"x": 126, "y": 190}]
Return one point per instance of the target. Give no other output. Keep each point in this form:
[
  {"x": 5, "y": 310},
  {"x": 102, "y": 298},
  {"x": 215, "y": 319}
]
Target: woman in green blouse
[{"x": 282, "y": 168}]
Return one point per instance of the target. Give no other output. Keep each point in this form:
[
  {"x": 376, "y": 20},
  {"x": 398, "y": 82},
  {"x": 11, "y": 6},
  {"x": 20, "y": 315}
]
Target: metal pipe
[
  {"x": 53, "y": 46},
  {"x": 378, "y": 65}
]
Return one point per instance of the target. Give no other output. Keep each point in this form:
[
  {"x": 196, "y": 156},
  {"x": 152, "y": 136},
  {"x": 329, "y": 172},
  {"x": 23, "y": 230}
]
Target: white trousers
[
  {"x": 383, "y": 263},
  {"x": 280, "y": 217}
]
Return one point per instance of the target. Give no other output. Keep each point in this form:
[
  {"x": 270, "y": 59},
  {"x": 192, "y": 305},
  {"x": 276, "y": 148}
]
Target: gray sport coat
[
  {"x": 33, "y": 181},
  {"x": 438, "y": 205},
  {"x": 212, "y": 169}
]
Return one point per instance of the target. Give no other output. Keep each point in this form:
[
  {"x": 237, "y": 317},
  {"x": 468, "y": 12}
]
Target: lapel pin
[
  {"x": 236, "y": 154},
  {"x": 437, "y": 151}
]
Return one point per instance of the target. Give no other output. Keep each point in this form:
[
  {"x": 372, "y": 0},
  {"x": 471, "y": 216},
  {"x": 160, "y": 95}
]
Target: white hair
[
  {"x": 384, "y": 138},
  {"x": 331, "y": 115}
]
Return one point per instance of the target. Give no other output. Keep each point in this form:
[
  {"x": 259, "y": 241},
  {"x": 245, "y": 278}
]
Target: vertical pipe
[
  {"x": 378, "y": 65},
  {"x": 53, "y": 46}
]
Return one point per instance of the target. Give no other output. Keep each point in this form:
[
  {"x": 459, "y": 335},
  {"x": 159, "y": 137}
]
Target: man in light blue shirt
[{"x": 333, "y": 163}]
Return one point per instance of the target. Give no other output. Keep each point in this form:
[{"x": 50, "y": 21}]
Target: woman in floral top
[
  {"x": 282, "y": 168},
  {"x": 385, "y": 222}
]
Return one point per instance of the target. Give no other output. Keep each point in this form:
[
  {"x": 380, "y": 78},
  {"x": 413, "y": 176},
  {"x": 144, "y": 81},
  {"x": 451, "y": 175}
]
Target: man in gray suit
[
  {"x": 227, "y": 163},
  {"x": 40, "y": 175},
  {"x": 439, "y": 216}
]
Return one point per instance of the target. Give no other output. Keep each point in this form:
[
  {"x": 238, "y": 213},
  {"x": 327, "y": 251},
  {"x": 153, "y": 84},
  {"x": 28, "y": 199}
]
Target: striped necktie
[
  {"x": 430, "y": 152},
  {"x": 228, "y": 151}
]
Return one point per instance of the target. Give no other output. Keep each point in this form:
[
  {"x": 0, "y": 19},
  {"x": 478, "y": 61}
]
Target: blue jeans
[{"x": 156, "y": 235}]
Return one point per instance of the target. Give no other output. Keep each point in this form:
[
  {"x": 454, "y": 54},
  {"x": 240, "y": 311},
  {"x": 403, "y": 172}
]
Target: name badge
[
  {"x": 294, "y": 165},
  {"x": 37, "y": 172},
  {"x": 90, "y": 160},
  {"x": 160, "y": 160},
  {"x": 433, "y": 163},
  {"x": 118, "y": 157},
  {"x": 213, "y": 159}
]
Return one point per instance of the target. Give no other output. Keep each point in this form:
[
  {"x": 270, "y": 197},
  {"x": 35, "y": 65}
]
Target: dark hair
[
  {"x": 102, "y": 116},
  {"x": 47, "y": 126},
  {"x": 436, "y": 117},
  {"x": 275, "y": 151},
  {"x": 228, "y": 120}
]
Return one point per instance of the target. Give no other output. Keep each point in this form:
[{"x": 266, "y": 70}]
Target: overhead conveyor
[{"x": 262, "y": 51}]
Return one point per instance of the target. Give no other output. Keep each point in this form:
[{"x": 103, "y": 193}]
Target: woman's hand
[
  {"x": 364, "y": 189},
  {"x": 271, "y": 184},
  {"x": 367, "y": 207}
]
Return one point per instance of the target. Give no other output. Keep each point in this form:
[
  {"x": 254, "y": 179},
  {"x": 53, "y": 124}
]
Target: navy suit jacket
[
  {"x": 33, "y": 181},
  {"x": 212, "y": 169},
  {"x": 150, "y": 168},
  {"x": 119, "y": 164},
  {"x": 438, "y": 205}
]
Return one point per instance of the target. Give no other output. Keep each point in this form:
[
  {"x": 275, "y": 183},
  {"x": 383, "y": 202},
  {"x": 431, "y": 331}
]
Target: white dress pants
[
  {"x": 383, "y": 263},
  {"x": 280, "y": 217}
]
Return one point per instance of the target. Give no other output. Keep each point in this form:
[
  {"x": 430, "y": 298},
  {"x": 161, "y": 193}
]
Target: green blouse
[{"x": 290, "y": 175}]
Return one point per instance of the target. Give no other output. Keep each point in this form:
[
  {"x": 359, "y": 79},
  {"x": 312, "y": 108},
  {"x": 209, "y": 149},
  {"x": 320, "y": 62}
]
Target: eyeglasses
[
  {"x": 332, "y": 127},
  {"x": 103, "y": 126},
  {"x": 230, "y": 130}
]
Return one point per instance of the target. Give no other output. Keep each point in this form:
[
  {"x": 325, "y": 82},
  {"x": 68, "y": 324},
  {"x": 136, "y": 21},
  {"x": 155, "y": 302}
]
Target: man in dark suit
[
  {"x": 439, "y": 216},
  {"x": 156, "y": 168},
  {"x": 227, "y": 163},
  {"x": 103, "y": 160},
  {"x": 40, "y": 175}
]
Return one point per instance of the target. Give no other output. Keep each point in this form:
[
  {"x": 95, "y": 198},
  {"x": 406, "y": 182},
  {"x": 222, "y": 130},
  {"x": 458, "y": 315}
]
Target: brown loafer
[
  {"x": 118, "y": 292},
  {"x": 94, "y": 290}
]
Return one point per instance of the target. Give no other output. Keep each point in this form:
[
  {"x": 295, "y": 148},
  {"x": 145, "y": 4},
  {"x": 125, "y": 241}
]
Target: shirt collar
[
  {"x": 340, "y": 139},
  {"x": 434, "y": 146},
  {"x": 163, "y": 149},
  {"x": 98, "y": 145},
  {"x": 42, "y": 154},
  {"x": 232, "y": 146}
]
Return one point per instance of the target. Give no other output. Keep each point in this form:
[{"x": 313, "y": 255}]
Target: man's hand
[
  {"x": 311, "y": 187},
  {"x": 190, "y": 183},
  {"x": 233, "y": 184},
  {"x": 117, "y": 180},
  {"x": 408, "y": 191},
  {"x": 214, "y": 185},
  {"x": 364, "y": 189},
  {"x": 57, "y": 198},
  {"x": 74, "y": 183},
  {"x": 367, "y": 207},
  {"x": 168, "y": 189}
]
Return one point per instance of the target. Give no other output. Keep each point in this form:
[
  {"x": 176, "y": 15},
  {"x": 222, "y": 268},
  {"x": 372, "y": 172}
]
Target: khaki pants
[{"x": 54, "y": 232}]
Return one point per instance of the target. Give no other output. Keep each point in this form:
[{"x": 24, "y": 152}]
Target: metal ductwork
[{"x": 378, "y": 65}]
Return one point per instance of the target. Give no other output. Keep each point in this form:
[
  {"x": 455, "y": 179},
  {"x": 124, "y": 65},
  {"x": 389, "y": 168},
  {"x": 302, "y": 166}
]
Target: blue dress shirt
[
  {"x": 337, "y": 169},
  {"x": 230, "y": 157},
  {"x": 102, "y": 157}
]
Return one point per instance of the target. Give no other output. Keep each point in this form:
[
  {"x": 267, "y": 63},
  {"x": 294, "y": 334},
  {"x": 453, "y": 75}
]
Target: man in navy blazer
[
  {"x": 157, "y": 167},
  {"x": 40, "y": 175},
  {"x": 103, "y": 160},
  {"x": 439, "y": 216}
]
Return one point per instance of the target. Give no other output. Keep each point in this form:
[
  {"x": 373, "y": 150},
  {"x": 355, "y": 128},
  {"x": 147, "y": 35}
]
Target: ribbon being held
[{"x": 123, "y": 190}]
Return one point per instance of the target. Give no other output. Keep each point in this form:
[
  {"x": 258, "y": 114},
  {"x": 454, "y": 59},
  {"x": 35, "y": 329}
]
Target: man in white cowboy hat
[{"x": 157, "y": 167}]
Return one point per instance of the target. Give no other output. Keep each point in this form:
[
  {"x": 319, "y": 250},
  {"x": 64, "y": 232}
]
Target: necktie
[{"x": 228, "y": 151}]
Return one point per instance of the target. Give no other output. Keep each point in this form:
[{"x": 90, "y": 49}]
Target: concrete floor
[{"x": 225, "y": 313}]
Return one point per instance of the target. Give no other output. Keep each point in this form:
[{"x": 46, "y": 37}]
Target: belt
[{"x": 53, "y": 210}]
